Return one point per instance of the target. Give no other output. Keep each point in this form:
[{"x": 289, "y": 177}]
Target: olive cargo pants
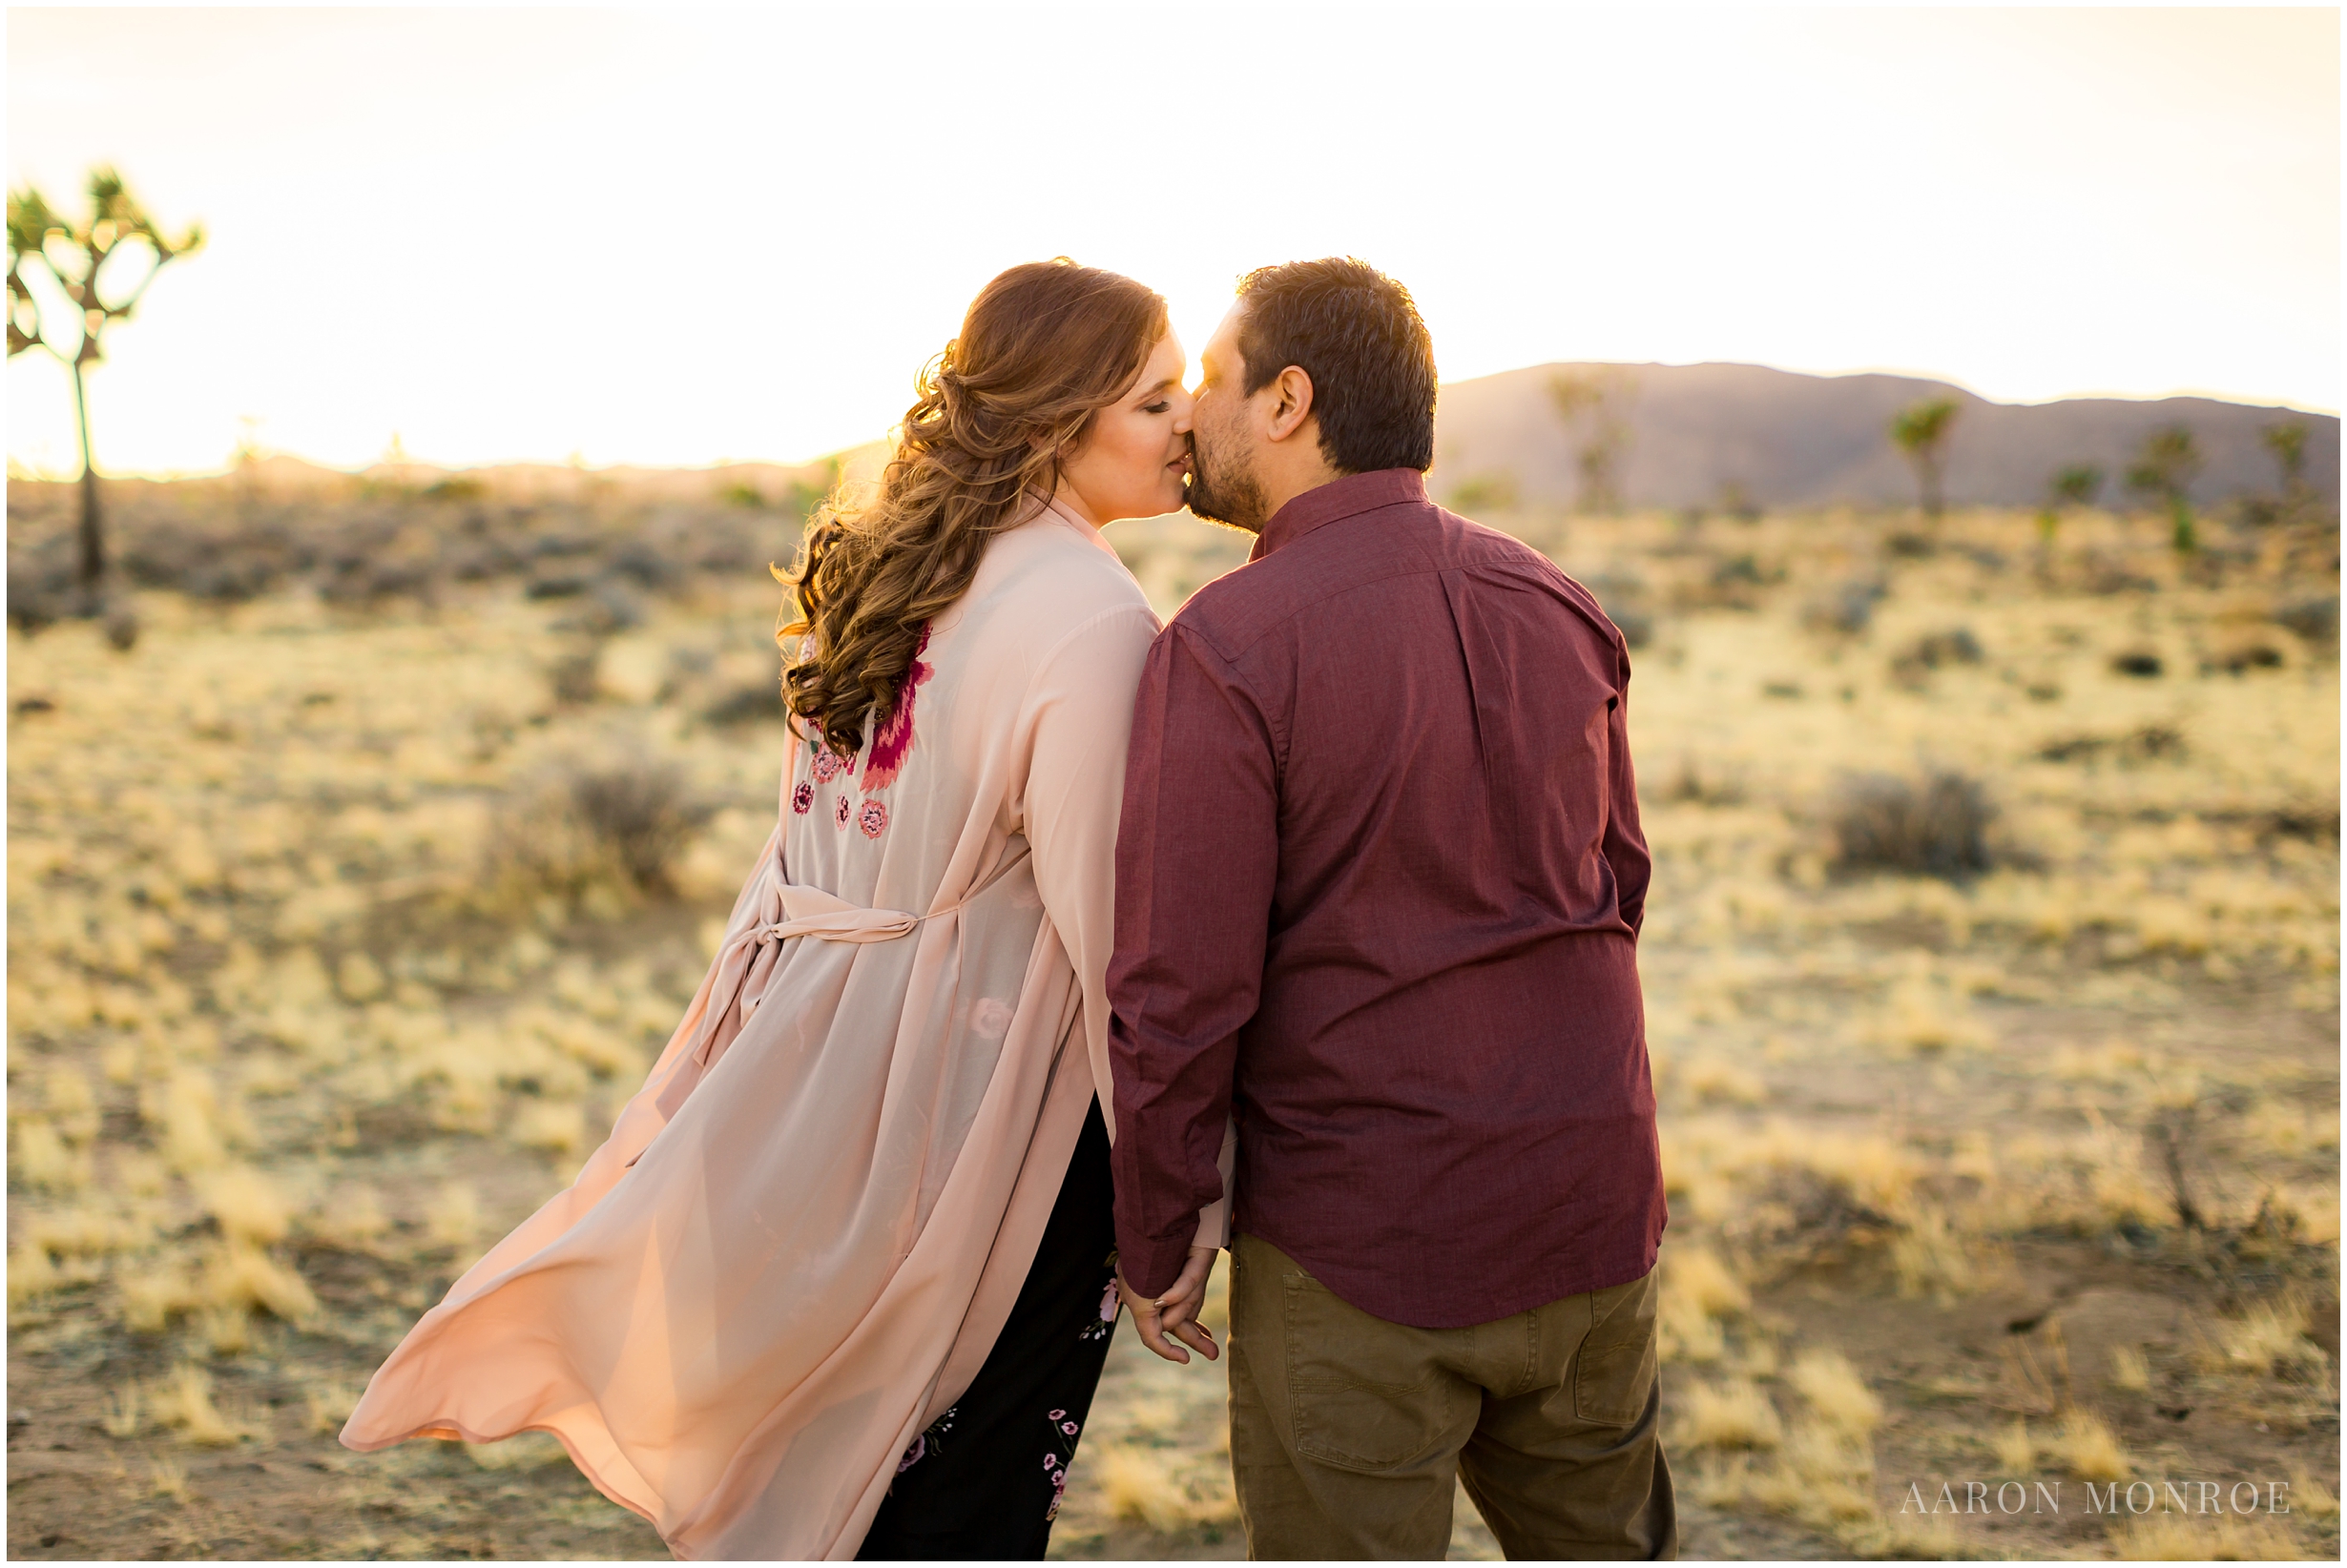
[{"x": 1347, "y": 1430}]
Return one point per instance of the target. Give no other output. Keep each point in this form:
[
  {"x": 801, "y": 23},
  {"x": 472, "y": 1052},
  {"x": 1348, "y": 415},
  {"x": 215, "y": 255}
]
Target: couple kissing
[{"x": 1303, "y": 926}]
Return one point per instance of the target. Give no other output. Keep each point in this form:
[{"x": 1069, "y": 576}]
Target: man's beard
[{"x": 1219, "y": 496}]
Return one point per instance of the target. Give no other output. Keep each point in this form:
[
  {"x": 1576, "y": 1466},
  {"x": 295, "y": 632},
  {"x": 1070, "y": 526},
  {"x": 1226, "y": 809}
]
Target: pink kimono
[{"x": 809, "y": 1226}]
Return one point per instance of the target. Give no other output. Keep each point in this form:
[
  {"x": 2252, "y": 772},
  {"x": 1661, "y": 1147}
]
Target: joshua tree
[
  {"x": 2286, "y": 442},
  {"x": 75, "y": 258},
  {"x": 1590, "y": 404},
  {"x": 2163, "y": 471},
  {"x": 2076, "y": 485},
  {"x": 1920, "y": 432}
]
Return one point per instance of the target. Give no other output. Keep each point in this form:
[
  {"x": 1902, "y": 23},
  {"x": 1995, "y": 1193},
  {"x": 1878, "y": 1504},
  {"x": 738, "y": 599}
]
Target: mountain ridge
[{"x": 1721, "y": 434}]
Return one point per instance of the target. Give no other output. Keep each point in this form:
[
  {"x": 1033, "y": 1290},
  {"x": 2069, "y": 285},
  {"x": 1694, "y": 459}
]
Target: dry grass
[
  {"x": 1718, "y": 1080},
  {"x": 1822, "y": 1475},
  {"x": 1728, "y": 1415},
  {"x": 2171, "y": 1537},
  {"x": 2129, "y": 1372},
  {"x": 329, "y": 1405},
  {"x": 167, "y": 1479},
  {"x": 2313, "y": 1497},
  {"x": 522, "y": 1451},
  {"x": 1821, "y": 1471},
  {"x": 1836, "y": 1392},
  {"x": 42, "y": 1159},
  {"x": 123, "y": 1412},
  {"x": 2269, "y": 1337},
  {"x": 454, "y": 1216},
  {"x": 182, "y": 1402},
  {"x": 2087, "y": 1449},
  {"x": 31, "y": 1274},
  {"x": 1933, "y": 1258},
  {"x": 225, "y": 1330},
  {"x": 1145, "y": 1485},
  {"x": 1697, "y": 1291},
  {"x": 2015, "y": 1449},
  {"x": 245, "y": 1277},
  {"x": 353, "y": 1217},
  {"x": 557, "y": 1127},
  {"x": 249, "y": 1208}
]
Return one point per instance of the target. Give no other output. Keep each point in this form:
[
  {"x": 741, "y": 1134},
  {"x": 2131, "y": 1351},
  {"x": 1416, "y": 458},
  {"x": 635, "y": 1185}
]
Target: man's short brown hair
[{"x": 1357, "y": 334}]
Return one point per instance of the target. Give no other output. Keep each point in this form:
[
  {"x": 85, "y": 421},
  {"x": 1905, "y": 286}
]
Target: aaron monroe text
[{"x": 2108, "y": 1497}]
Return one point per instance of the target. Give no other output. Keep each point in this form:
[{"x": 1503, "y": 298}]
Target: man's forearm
[{"x": 1167, "y": 1159}]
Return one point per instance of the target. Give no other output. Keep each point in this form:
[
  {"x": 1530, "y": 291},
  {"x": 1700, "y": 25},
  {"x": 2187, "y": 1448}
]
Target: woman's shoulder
[{"x": 1054, "y": 578}]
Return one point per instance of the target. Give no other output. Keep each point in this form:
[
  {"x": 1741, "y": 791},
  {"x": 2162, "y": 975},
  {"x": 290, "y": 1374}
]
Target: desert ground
[{"x": 363, "y": 858}]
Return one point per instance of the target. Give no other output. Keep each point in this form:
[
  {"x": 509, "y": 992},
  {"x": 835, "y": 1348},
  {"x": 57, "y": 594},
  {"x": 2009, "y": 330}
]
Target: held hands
[{"x": 1174, "y": 1315}]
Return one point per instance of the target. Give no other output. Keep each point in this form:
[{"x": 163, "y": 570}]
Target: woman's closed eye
[{"x": 1157, "y": 407}]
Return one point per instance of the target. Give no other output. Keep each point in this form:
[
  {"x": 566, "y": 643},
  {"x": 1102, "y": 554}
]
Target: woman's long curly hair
[{"x": 1046, "y": 345}]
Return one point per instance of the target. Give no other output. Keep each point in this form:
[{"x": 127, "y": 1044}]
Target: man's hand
[{"x": 1175, "y": 1312}]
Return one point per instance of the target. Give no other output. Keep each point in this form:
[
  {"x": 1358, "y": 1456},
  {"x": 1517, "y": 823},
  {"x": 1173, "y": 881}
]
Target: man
[{"x": 1378, "y": 885}]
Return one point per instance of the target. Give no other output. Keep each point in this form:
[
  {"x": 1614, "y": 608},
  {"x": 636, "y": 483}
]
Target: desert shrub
[
  {"x": 577, "y": 675},
  {"x": 2316, "y": 619},
  {"x": 1496, "y": 492},
  {"x": 757, "y": 703},
  {"x": 1935, "y": 827},
  {"x": 2152, "y": 743},
  {"x": 1936, "y": 650},
  {"x": 644, "y": 811},
  {"x": 610, "y": 606},
  {"x": 1846, "y": 608},
  {"x": 40, "y": 594},
  {"x": 1623, "y": 597},
  {"x": 1705, "y": 784},
  {"x": 2239, "y": 658},
  {"x": 2140, "y": 663},
  {"x": 583, "y": 830},
  {"x": 644, "y": 565}
]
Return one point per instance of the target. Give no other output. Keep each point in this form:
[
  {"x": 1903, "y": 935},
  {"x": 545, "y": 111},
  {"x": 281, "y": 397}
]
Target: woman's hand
[{"x": 1174, "y": 1313}]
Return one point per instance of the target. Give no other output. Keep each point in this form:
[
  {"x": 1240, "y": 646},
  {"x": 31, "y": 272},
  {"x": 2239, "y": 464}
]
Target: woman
[{"x": 845, "y": 1268}]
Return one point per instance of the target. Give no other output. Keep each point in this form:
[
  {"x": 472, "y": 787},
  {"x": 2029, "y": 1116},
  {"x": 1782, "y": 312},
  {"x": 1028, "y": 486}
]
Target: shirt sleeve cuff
[{"x": 1151, "y": 1270}]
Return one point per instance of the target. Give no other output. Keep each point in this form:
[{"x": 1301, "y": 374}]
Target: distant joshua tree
[
  {"x": 2164, "y": 470},
  {"x": 75, "y": 260},
  {"x": 2076, "y": 485},
  {"x": 1920, "y": 432},
  {"x": 2286, "y": 442},
  {"x": 1592, "y": 403}
]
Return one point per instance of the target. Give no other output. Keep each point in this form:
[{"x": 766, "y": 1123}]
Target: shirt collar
[{"x": 1337, "y": 500}]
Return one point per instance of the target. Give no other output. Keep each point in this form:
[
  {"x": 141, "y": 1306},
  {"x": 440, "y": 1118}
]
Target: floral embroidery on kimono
[
  {"x": 1109, "y": 1305},
  {"x": 930, "y": 1440},
  {"x": 1058, "y": 1453},
  {"x": 894, "y": 736}
]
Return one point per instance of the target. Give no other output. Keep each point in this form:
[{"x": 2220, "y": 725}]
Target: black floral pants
[{"x": 985, "y": 1480}]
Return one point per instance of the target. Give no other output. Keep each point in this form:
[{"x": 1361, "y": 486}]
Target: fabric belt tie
[{"x": 787, "y": 910}]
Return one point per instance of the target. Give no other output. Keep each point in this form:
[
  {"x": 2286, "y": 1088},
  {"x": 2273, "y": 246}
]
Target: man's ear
[{"x": 1292, "y": 406}]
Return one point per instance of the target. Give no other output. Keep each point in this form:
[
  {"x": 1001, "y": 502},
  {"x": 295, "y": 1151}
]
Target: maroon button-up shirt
[{"x": 1379, "y": 880}]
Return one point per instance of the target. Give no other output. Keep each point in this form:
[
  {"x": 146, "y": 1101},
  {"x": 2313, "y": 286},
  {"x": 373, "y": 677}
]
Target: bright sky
[{"x": 678, "y": 238}]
